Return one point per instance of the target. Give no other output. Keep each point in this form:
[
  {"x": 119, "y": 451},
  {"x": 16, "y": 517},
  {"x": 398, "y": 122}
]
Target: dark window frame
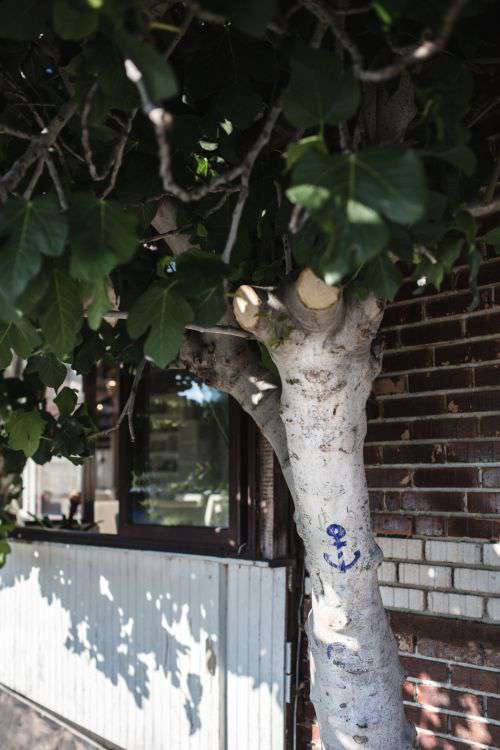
[{"x": 238, "y": 540}]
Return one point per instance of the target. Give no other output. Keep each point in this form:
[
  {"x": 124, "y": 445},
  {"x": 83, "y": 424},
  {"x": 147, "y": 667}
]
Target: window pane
[{"x": 181, "y": 456}]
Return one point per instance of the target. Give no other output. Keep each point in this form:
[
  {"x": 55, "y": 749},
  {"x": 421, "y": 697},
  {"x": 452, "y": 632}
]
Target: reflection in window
[
  {"x": 62, "y": 495},
  {"x": 181, "y": 456}
]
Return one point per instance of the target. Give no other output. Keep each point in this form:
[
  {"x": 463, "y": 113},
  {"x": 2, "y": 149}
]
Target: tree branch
[
  {"x": 57, "y": 183},
  {"x": 128, "y": 409},
  {"x": 37, "y": 148},
  {"x": 480, "y": 211},
  {"x": 421, "y": 53},
  {"x": 119, "y": 152}
]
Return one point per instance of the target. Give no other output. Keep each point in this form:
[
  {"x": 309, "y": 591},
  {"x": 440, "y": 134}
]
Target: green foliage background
[{"x": 363, "y": 204}]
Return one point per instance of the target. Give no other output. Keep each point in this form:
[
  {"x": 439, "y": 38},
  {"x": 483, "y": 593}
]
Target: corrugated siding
[{"x": 149, "y": 651}]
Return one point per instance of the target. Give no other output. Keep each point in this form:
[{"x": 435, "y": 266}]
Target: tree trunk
[{"x": 326, "y": 367}]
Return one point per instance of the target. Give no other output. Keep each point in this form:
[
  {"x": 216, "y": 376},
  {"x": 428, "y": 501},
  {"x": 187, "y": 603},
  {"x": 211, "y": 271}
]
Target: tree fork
[{"x": 321, "y": 345}]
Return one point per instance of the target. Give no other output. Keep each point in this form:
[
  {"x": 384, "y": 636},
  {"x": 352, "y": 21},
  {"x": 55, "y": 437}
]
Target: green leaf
[
  {"x": 492, "y": 237},
  {"x": 33, "y": 228},
  {"x": 381, "y": 277},
  {"x": 63, "y": 316},
  {"x": 102, "y": 236},
  {"x": 445, "y": 254},
  {"x": 25, "y": 428},
  {"x": 158, "y": 75},
  {"x": 210, "y": 307},
  {"x": 98, "y": 292},
  {"x": 297, "y": 149},
  {"x": 66, "y": 401},
  {"x": 250, "y": 17},
  {"x": 461, "y": 157},
  {"x": 23, "y": 19},
  {"x": 50, "y": 370},
  {"x": 73, "y": 23},
  {"x": 240, "y": 104},
  {"x": 198, "y": 271},
  {"x": 319, "y": 91},
  {"x": 18, "y": 336},
  {"x": 5, "y": 549},
  {"x": 165, "y": 313},
  {"x": 388, "y": 180}
]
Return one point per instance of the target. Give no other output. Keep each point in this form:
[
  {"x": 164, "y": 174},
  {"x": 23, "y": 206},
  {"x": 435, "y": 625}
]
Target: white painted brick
[
  {"x": 478, "y": 580},
  {"x": 454, "y": 552},
  {"x": 433, "y": 576},
  {"x": 401, "y": 549},
  {"x": 492, "y": 555},
  {"x": 394, "y": 596},
  {"x": 455, "y": 604},
  {"x": 387, "y": 572},
  {"x": 493, "y": 609}
]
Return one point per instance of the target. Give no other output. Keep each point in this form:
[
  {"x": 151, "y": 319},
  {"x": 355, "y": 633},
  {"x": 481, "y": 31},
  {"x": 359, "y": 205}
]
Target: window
[{"x": 185, "y": 483}]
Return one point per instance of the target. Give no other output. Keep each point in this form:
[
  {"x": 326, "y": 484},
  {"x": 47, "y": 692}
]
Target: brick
[
  {"x": 387, "y": 572},
  {"x": 490, "y": 426},
  {"x": 477, "y": 401},
  {"x": 390, "y": 386},
  {"x": 471, "y": 652},
  {"x": 395, "y": 596},
  {"x": 473, "y": 731},
  {"x": 388, "y": 477},
  {"x": 390, "y": 339},
  {"x": 413, "y": 453},
  {"x": 449, "y": 330},
  {"x": 483, "y": 502},
  {"x": 386, "y": 431},
  {"x": 475, "y": 528},
  {"x": 372, "y": 454},
  {"x": 384, "y": 523},
  {"x": 409, "y": 691},
  {"x": 406, "y": 642},
  {"x": 454, "y": 305},
  {"x": 493, "y": 708},
  {"x": 396, "y": 315},
  {"x": 437, "y": 380},
  {"x": 425, "y": 669},
  {"x": 487, "y": 375},
  {"x": 462, "y": 605},
  {"x": 432, "y": 720},
  {"x": 418, "y": 406},
  {"x": 491, "y": 555},
  {"x": 430, "y": 526},
  {"x": 493, "y": 609},
  {"x": 429, "y": 576},
  {"x": 411, "y": 360},
  {"x": 482, "y": 680},
  {"x": 376, "y": 500},
  {"x": 451, "y": 700},
  {"x": 401, "y": 549},
  {"x": 435, "y": 501},
  {"x": 436, "y": 429},
  {"x": 483, "y": 325},
  {"x": 453, "y": 552},
  {"x": 449, "y": 477},
  {"x": 430, "y": 742},
  {"x": 491, "y": 477},
  {"x": 473, "y": 351},
  {"x": 476, "y": 451},
  {"x": 487, "y": 581}
]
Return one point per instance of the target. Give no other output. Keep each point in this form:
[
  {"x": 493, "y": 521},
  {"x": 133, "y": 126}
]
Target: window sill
[{"x": 116, "y": 541}]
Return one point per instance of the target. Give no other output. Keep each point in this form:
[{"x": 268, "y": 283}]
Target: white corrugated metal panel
[
  {"x": 255, "y": 657},
  {"x": 151, "y": 651}
]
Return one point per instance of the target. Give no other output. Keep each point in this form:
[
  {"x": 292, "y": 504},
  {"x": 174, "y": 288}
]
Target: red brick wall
[{"x": 433, "y": 467}]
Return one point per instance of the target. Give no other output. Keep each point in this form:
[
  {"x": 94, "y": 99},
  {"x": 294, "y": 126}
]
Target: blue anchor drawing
[{"x": 338, "y": 533}]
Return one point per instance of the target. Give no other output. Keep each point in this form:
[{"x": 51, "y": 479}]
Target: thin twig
[
  {"x": 87, "y": 148},
  {"x": 490, "y": 190},
  {"x": 236, "y": 218},
  {"x": 419, "y": 54},
  {"x": 128, "y": 409},
  {"x": 485, "y": 210},
  {"x": 57, "y": 183},
  {"x": 113, "y": 315},
  {"x": 37, "y": 173},
  {"x": 119, "y": 152},
  {"x": 37, "y": 148},
  {"x": 182, "y": 31},
  {"x": 162, "y": 120},
  {"x": 6, "y": 130}
]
